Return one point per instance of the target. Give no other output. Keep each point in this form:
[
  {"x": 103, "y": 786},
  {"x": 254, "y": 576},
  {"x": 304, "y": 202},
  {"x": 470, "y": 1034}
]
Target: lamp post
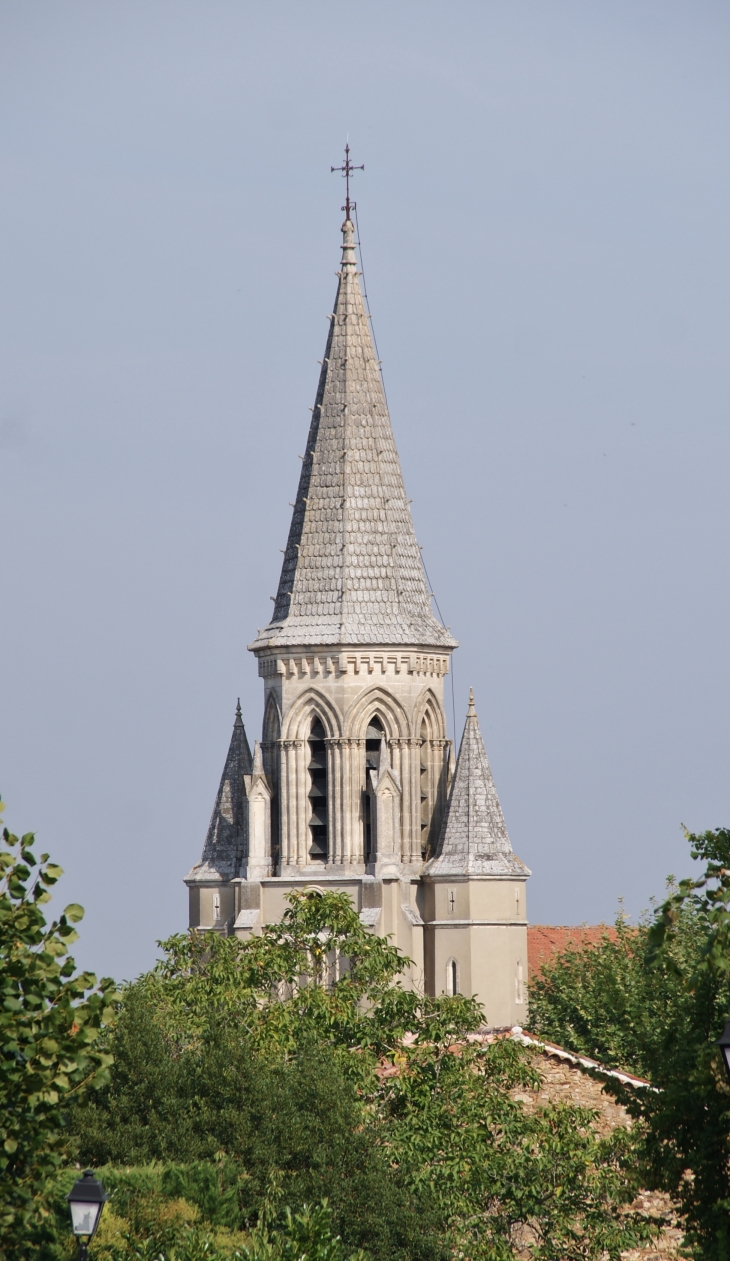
[
  {"x": 724, "y": 1045},
  {"x": 86, "y": 1200}
]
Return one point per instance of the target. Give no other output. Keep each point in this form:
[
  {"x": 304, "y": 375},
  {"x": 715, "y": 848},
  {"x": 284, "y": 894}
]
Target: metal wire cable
[{"x": 385, "y": 395}]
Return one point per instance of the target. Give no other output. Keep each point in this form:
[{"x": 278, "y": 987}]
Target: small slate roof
[
  {"x": 352, "y": 571},
  {"x": 223, "y": 849},
  {"x": 474, "y": 838}
]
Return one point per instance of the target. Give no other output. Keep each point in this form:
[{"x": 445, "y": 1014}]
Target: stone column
[
  {"x": 300, "y": 787},
  {"x": 290, "y": 789},
  {"x": 412, "y": 853},
  {"x": 284, "y": 803},
  {"x": 335, "y": 802},
  {"x": 354, "y": 781},
  {"x": 440, "y": 771},
  {"x": 408, "y": 755}
]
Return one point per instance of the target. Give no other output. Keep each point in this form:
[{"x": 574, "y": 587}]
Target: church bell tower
[{"x": 348, "y": 788}]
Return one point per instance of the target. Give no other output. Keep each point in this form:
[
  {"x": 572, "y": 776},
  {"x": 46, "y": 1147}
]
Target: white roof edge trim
[{"x": 581, "y": 1061}]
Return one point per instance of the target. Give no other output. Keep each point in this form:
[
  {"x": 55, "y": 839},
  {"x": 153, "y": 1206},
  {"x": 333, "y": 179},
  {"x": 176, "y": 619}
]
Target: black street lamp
[
  {"x": 724, "y": 1045},
  {"x": 86, "y": 1200}
]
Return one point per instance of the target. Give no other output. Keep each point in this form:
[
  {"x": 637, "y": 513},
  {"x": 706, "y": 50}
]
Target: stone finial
[
  {"x": 348, "y": 247},
  {"x": 258, "y": 761},
  {"x": 383, "y": 756},
  {"x": 239, "y": 716},
  {"x": 471, "y": 712}
]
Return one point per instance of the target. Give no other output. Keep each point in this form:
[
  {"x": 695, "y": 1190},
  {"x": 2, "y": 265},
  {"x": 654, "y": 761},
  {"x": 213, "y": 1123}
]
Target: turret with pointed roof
[
  {"x": 223, "y": 849},
  {"x": 474, "y": 839},
  {"x": 352, "y": 571},
  {"x": 475, "y": 921}
]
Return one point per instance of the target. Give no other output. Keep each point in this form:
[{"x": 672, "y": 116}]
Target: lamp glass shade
[
  {"x": 85, "y": 1201},
  {"x": 84, "y": 1217}
]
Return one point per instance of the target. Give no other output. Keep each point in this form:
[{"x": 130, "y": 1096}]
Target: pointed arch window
[
  {"x": 452, "y": 978},
  {"x": 373, "y": 736},
  {"x": 317, "y": 770}
]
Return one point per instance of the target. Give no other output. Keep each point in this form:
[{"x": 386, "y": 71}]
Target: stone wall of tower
[
  {"x": 475, "y": 934},
  {"x": 345, "y": 690}
]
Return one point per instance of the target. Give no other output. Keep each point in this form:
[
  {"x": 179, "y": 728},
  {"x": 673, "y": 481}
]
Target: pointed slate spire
[
  {"x": 224, "y": 843},
  {"x": 352, "y": 571},
  {"x": 474, "y": 838}
]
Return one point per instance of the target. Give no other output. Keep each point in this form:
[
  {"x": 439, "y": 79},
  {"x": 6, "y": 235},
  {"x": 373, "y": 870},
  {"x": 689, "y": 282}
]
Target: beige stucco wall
[
  {"x": 202, "y": 906},
  {"x": 481, "y": 923}
]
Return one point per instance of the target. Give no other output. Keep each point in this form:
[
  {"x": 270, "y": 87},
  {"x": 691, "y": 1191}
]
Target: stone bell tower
[{"x": 349, "y": 786}]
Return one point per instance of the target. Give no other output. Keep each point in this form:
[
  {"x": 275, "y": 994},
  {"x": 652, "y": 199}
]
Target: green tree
[
  {"x": 654, "y": 1000},
  {"x": 688, "y": 1122},
  {"x": 50, "y": 1020},
  {"x": 299, "y": 1056},
  {"x": 604, "y": 999},
  {"x": 304, "y": 1236}
]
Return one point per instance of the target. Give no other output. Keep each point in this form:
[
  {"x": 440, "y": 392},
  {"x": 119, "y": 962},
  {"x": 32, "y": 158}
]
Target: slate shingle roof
[
  {"x": 223, "y": 847},
  {"x": 352, "y": 571},
  {"x": 474, "y": 838}
]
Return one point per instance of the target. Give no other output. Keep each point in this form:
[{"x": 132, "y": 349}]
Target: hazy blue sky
[{"x": 544, "y": 217}]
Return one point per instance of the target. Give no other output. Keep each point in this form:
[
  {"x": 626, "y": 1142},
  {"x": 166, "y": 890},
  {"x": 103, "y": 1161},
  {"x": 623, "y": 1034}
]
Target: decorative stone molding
[{"x": 321, "y": 666}]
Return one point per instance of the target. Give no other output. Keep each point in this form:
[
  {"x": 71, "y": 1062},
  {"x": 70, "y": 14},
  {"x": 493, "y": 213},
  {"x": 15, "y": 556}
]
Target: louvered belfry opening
[
  {"x": 373, "y": 736},
  {"x": 317, "y": 769},
  {"x": 425, "y": 788}
]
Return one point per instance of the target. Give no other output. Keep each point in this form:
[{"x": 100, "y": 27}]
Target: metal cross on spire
[{"x": 347, "y": 168}]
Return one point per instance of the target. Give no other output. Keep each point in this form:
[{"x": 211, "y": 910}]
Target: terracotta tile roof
[{"x": 546, "y": 940}]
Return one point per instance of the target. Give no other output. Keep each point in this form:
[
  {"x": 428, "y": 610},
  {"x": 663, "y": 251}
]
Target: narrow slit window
[
  {"x": 452, "y": 978},
  {"x": 317, "y": 769}
]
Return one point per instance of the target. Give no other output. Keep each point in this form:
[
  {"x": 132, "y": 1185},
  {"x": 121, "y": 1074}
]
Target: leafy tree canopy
[
  {"x": 299, "y": 1056},
  {"x": 655, "y": 999},
  {"x": 50, "y": 1021}
]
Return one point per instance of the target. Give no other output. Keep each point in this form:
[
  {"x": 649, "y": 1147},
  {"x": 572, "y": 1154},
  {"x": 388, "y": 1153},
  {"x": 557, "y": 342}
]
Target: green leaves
[
  {"x": 655, "y": 999},
  {"x": 49, "y": 1022},
  {"x": 299, "y": 1056},
  {"x": 304, "y": 1236}
]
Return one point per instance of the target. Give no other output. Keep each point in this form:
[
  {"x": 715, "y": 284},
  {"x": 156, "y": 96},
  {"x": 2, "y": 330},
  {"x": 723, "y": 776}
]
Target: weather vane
[{"x": 347, "y": 168}]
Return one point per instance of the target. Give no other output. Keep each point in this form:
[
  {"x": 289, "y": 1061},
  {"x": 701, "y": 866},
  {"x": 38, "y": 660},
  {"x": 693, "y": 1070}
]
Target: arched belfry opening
[
  {"x": 373, "y": 736},
  {"x": 425, "y": 784},
  {"x": 317, "y": 770}
]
